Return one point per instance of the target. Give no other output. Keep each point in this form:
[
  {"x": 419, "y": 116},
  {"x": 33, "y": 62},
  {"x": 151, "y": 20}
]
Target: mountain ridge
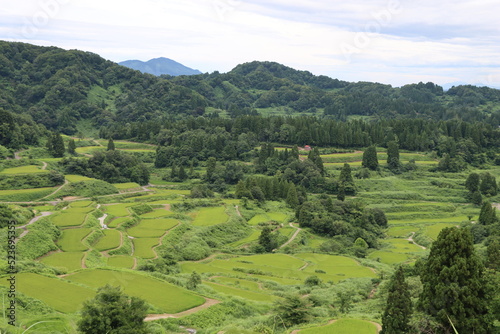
[{"x": 160, "y": 66}]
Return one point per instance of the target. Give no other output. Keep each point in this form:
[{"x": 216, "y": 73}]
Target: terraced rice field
[
  {"x": 252, "y": 237},
  {"x": 71, "y": 239},
  {"x": 81, "y": 204},
  {"x": 24, "y": 195},
  {"x": 165, "y": 296},
  {"x": 62, "y": 295},
  {"x": 121, "y": 261},
  {"x": 143, "y": 247},
  {"x": 110, "y": 240},
  {"x": 211, "y": 216},
  {"x": 149, "y": 228},
  {"x": 157, "y": 213},
  {"x": 68, "y": 261},
  {"x": 129, "y": 185},
  {"x": 266, "y": 217},
  {"x": 118, "y": 210},
  {"x": 117, "y": 221},
  {"x": 77, "y": 178},
  {"x": 70, "y": 217},
  {"x": 31, "y": 169},
  {"x": 232, "y": 291}
]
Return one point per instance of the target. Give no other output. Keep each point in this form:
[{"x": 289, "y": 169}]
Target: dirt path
[
  {"x": 293, "y": 236},
  {"x": 17, "y": 155},
  {"x": 496, "y": 205},
  {"x": 44, "y": 167},
  {"x": 208, "y": 302},
  {"x": 304, "y": 266},
  {"x": 33, "y": 220},
  {"x": 57, "y": 190},
  {"x": 238, "y": 210},
  {"x": 410, "y": 239},
  {"x": 207, "y": 258},
  {"x": 84, "y": 257},
  {"x": 101, "y": 221},
  {"x": 47, "y": 254},
  {"x": 379, "y": 326}
]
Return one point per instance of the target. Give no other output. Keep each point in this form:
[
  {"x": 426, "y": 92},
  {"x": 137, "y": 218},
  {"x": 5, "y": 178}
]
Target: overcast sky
[{"x": 389, "y": 41}]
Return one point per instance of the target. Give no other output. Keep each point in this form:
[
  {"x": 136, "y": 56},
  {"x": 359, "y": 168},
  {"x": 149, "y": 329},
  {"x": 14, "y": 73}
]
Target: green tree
[
  {"x": 111, "y": 311},
  {"x": 476, "y": 198},
  {"x": 488, "y": 185},
  {"x": 71, "y": 146},
  {"x": 194, "y": 281},
  {"x": 346, "y": 182},
  {"x": 111, "y": 145},
  {"x": 292, "y": 198},
  {"x": 398, "y": 309},
  {"x": 393, "y": 155},
  {"x": 267, "y": 239},
  {"x": 57, "y": 145},
  {"x": 472, "y": 182},
  {"x": 454, "y": 286},
  {"x": 293, "y": 310},
  {"x": 487, "y": 215},
  {"x": 370, "y": 159},
  {"x": 211, "y": 164},
  {"x": 182, "y": 175},
  {"x": 493, "y": 254},
  {"x": 344, "y": 300}
]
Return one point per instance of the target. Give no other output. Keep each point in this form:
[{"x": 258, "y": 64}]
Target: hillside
[{"x": 159, "y": 66}]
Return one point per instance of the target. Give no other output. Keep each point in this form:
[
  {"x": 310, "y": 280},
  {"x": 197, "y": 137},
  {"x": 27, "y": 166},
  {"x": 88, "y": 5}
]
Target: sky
[{"x": 394, "y": 42}]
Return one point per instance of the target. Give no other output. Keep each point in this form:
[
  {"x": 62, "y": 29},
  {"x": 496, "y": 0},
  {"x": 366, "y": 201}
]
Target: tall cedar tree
[
  {"x": 111, "y": 311},
  {"x": 393, "y": 155},
  {"x": 346, "y": 182},
  {"x": 111, "y": 145},
  {"x": 71, "y": 146},
  {"x": 398, "y": 309},
  {"x": 487, "y": 215},
  {"x": 292, "y": 198},
  {"x": 315, "y": 157},
  {"x": 454, "y": 285},
  {"x": 293, "y": 310},
  {"x": 488, "y": 185},
  {"x": 267, "y": 240},
  {"x": 472, "y": 182},
  {"x": 370, "y": 159},
  {"x": 57, "y": 145}
]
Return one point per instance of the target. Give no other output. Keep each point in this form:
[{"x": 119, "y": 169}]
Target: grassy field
[
  {"x": 71, "y": 239},
  {"x": 266, "y": 217},
  {"x": 150, "y": 228},
  {"x": 124, "y": 186},
  {"x": 81, "y": 204},
  {"x": 210, "y": 216},
  {"x": 143, "y": 247},
  {"x": 63, "y": 296},
  {"x": 239, "y": 283},
  {"x": 121, "y": 261},
  {"x": 157, "y": 213},
  {"x": 252, "y": 237},
  {"x": 69, "y": 261},
  {"x": 343, "y": 326},
  {"x": 166, "y": 297},
  {"x": 31, "y": 169},
  {"x": 110, "y": 240},
  {"x": 388, "y": 257}
]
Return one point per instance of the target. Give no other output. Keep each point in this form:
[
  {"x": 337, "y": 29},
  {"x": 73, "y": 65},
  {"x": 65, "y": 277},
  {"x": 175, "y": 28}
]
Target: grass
[
  {"x": 252, "y": 237},
  {"x": 143, "y": 247},
  {"x": 401, "y": 231},
  {"x": 110, "y": 240},
  {"x": 121, "y": 261},
  {"x": 165, "y": 296},
  {"x": 388, "y": 257},
  {"x": 250, "y": 285},
  {"x": 432, "y": 231},
  {"x": 61, "y": 295},
  {"x": 81, "y": 204},
  {"x": 210, "y": 216},
  {"x": 69, "y": 261},
  {"x": 77, "y": 178},
  {"x": 149, "y": 228},
  {"x": 31, "y": 169},
  {"x": 231, "y": 291},
  {"x": 71, "y": 239},
  {"x": 402, "y": 246},
  {"x": 128, "y": 185},
  {"x": 266, "y": 217},
  {"x": 344, "y": 326}
]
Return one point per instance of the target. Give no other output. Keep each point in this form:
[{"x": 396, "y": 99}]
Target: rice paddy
[
  {"x": 149, "y": 228},
  {"x": 71, "y": 239},
  {"x": 210, "y": 216},
  {"x": 110, "y": 240},
  {"x": 31, "y": 169}
]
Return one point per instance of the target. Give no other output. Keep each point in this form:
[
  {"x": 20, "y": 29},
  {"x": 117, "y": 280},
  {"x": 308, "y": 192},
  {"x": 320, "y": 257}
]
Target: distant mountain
[{"x": 159, "y": 66}]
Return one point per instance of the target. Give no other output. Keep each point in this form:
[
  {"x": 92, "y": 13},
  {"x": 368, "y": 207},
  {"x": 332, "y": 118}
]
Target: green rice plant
[
  {"x": 252, "y": 237},
  {"x": 401, "y": 231},
  {"x": 239, "y": 283},
  {"x": 143, "y": 247},
  {"x": 117, "y": 221},
  {"x": 31, "y": 169},
  {"x": 81, "y": 204},
  {"x": 344, "y": 326},
  {"x": 432, "y": 231},
  {"x": 77, "y": 178},
  {"x": 128, "y": 185},
  {"x": 157, "y": 213},
  {"x": 25, "y": 195},
  {"x": 68, "y": 219},
  {"x": 210, "y": 216},
  {"x": 67, "y": 261},
  {"x": 266, "y": 217},
  {"x": 71, "y": 239},
  {"x": 402, "y": 246},
  {"x": 117, "y": 210},
  {"x": 110, "y": 240},
  {"x": 388, "y": 257},
  {"x": 59, "y": 294},
  {"x": 165, "y": 296},
  {"x": 149, "y": 228},
  {"x": 121, "y": 261},
  {"x": 231, "y": 291}
]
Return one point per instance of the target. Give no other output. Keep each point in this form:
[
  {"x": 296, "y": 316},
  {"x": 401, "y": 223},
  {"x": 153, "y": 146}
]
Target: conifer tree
[
  {"x": 346, "y": 182},
  {"x": 181, "y": 174},
  {"x": 71, "y": 146},
  {"x": 370, "y": 159},
  {"x": 398, "y": 308},
  {"x": 111, "y": 145},
  {"x": 454, "y": 286},
  {"x": 211, "y": 163},
  {"x": 57, "y": 145},
  {"x": 472, "y": 182},
  {"x": 488, "y": 185},
  {"x": 487, "y": 215},
  {"x": 393, "y": 155},
  {"x": 267, "y": 240},
  {"x": 292, "y": 199}
]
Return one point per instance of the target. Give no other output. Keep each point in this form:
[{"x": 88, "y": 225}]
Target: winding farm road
[
  {"x": 292, "y": 237},
  {"x": 33, "y": 220},
  {"x": 410, "y": 239},
  {"x": 208, "y": 302}
]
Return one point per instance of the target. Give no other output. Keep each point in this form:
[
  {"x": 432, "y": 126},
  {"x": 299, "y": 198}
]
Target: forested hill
[{"x": 59, "y": 89}]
